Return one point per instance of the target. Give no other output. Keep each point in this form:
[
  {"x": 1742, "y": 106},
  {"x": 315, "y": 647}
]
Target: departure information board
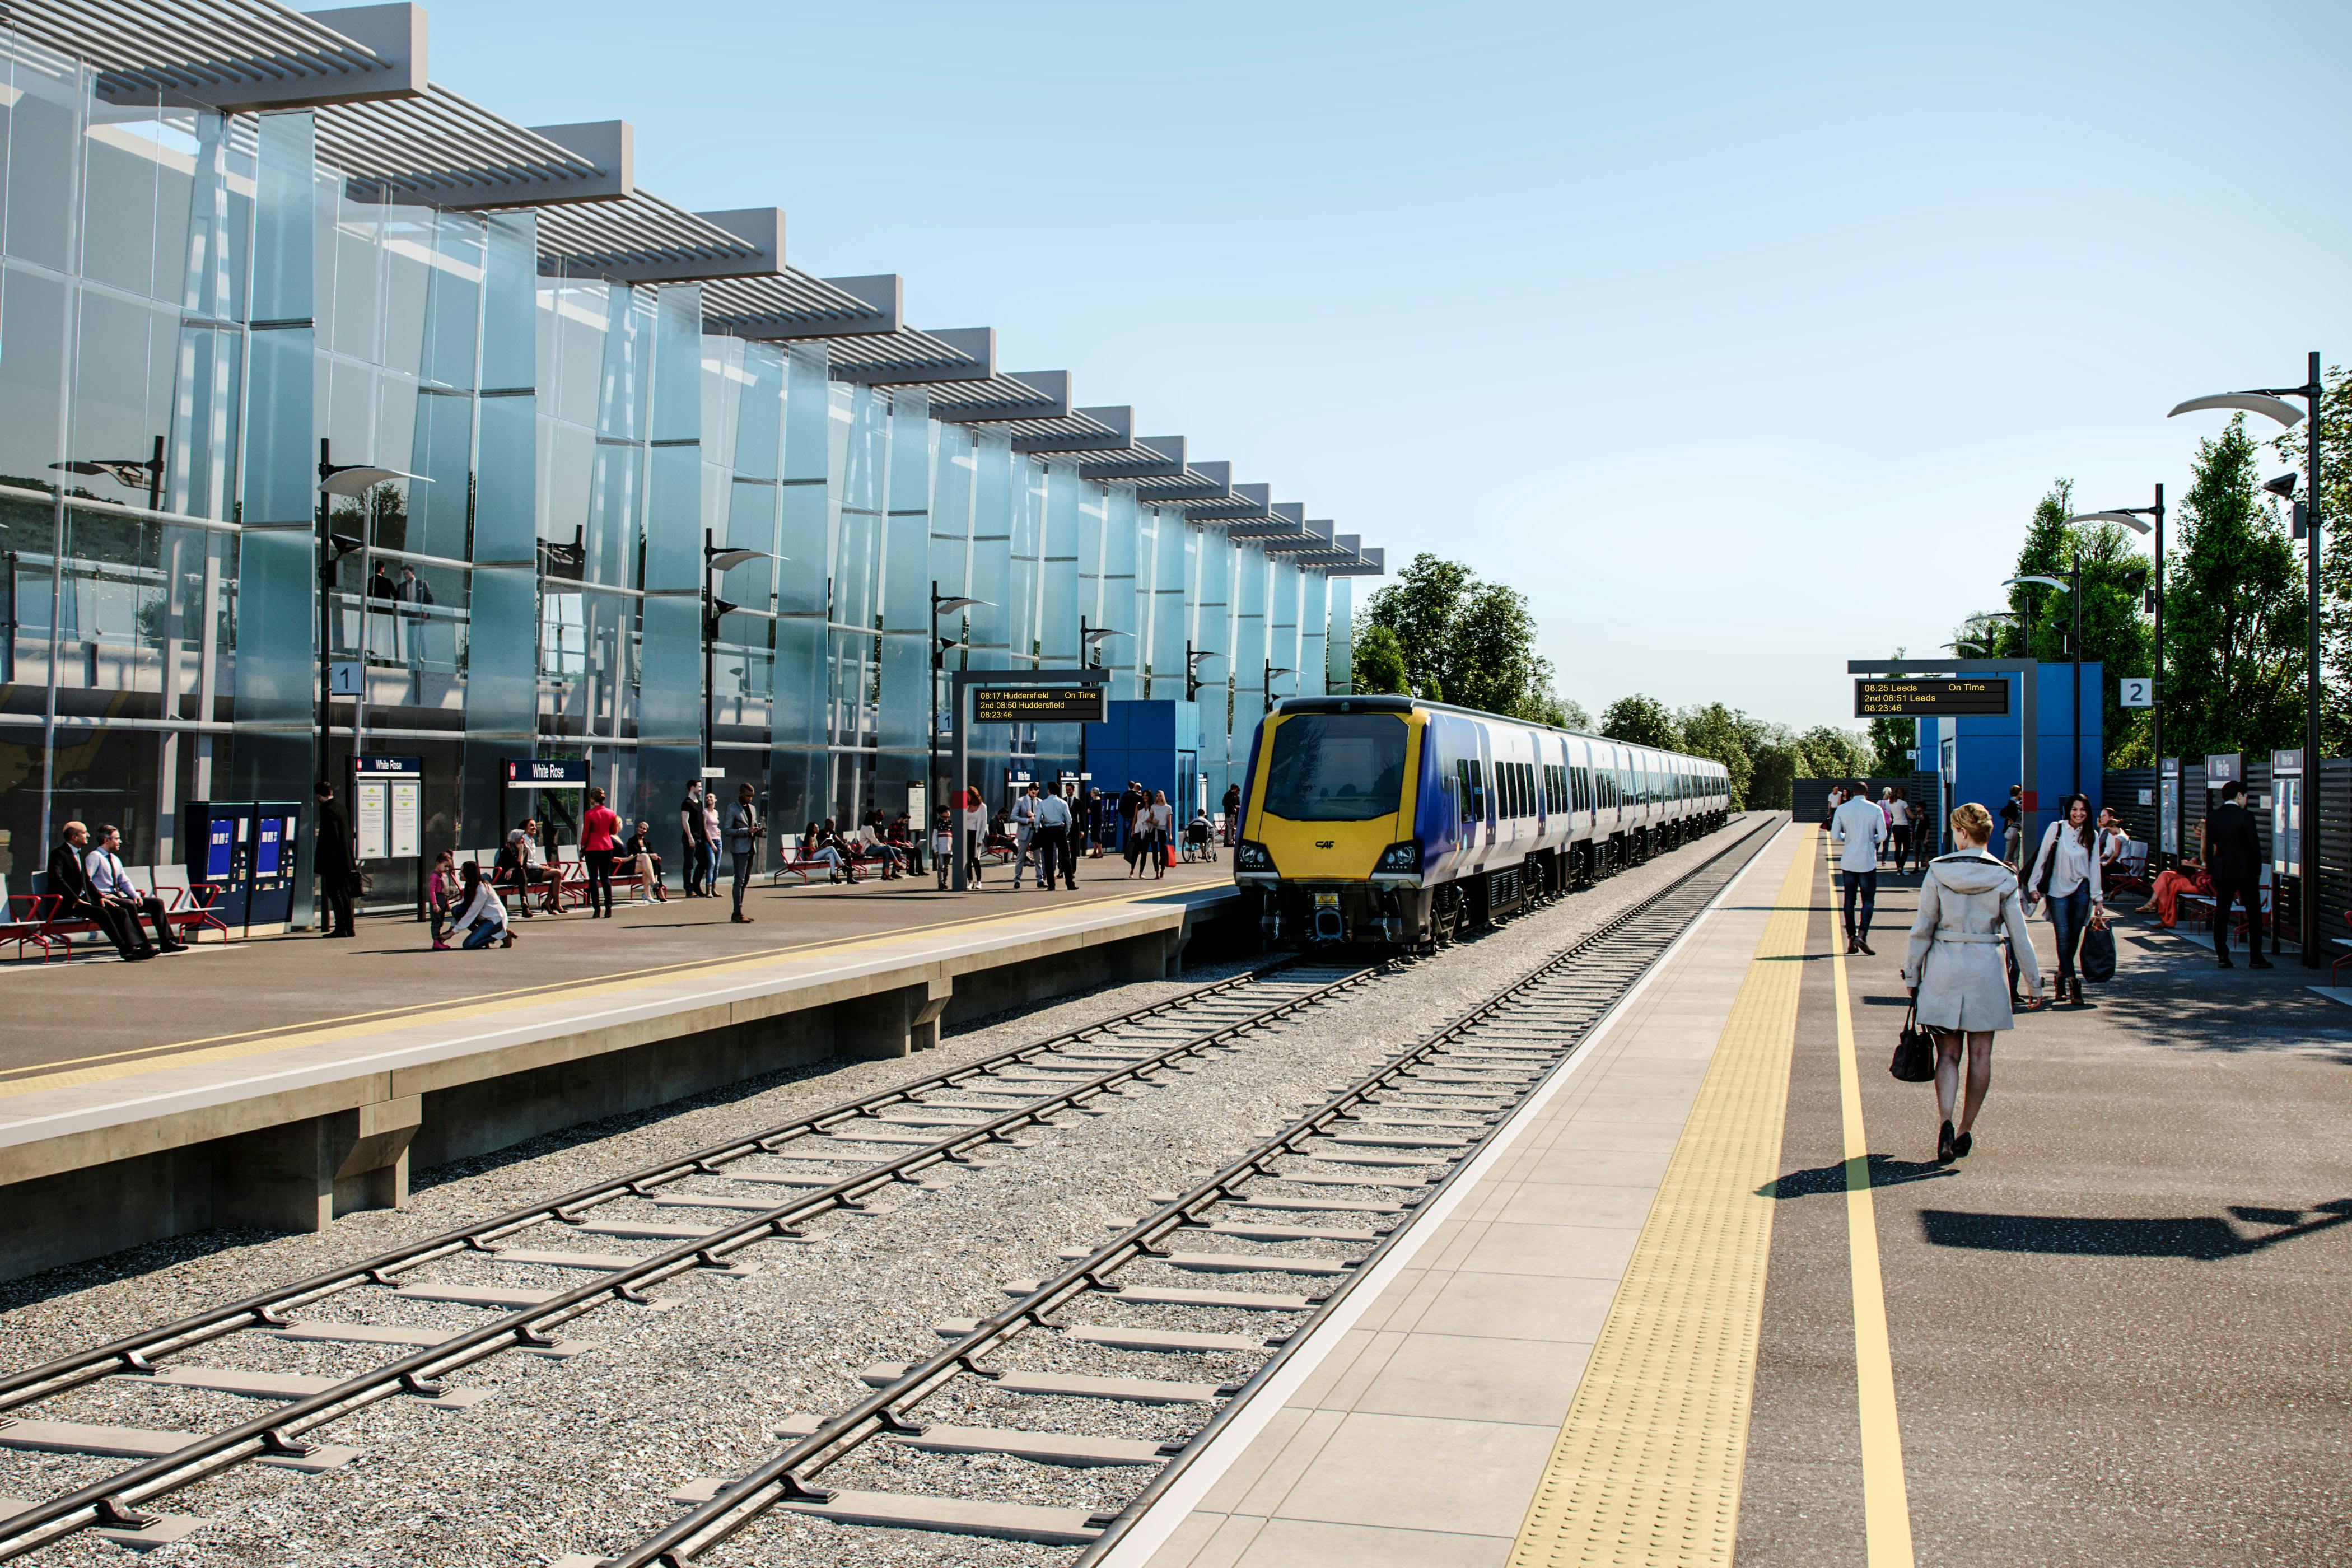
[
  {"x": 1037, "y": 704},
  {"x": 1910, "y": 698}
]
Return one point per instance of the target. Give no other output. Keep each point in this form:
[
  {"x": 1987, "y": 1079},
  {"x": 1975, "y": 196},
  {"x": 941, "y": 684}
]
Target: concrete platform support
[
  {"x": 892, "y": 1023},
  {"x": 301, "y": 1174}
]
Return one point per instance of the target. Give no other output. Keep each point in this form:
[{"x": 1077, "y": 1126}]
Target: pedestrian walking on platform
[
  {"x": 1898, "y": 819},
  {"x": 2066, "y": 873},
  {"x": 2233, "y": 858},
  {"x": 1955, "y": 968},
  {"x": 1025, "y": 836},
  {"x": 1050, "y": 835},
  {"x": 1857, "y": 829},
  {"x": 600, "y": 827},
  {"x": 2012, "y": 828},
  {"x": 692, "y": 841},
  {"x": 1163, "y": 832},
  {"x": 975, "y": 834}
]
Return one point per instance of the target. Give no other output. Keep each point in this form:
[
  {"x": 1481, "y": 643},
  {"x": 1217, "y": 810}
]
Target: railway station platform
[
  {"x": 1710, "y": 1298},
  {"x": 279, "y": 1081}
]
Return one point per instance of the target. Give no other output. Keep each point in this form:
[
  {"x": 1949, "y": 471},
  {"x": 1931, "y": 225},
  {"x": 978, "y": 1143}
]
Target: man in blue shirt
[{"x": 1051, "y": 834}]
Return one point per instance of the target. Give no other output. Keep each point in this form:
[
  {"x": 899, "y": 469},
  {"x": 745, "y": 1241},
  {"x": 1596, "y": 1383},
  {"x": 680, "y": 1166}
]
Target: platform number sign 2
[{"x": 2138, "y": 691}]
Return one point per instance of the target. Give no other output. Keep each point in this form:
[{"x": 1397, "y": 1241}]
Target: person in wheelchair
[{"x": 1198, "y": 835}]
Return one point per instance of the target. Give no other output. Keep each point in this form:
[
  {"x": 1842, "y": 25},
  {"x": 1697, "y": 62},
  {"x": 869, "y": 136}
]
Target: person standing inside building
[
  {"x": 2012, "y": 827},
  {"x": 600, "y": 827},
  {"x": 691, "y": 838},
  {"x": 1050, "y": 817},
  {"x": 2233, "y": 858},
  {"x": 1024, "y": 834},
  {"x": 69, "y": 885},
  {"x": 744, "y": 831},
  {"x": 2066, "y": 873},
  {"x": 331, "y": 857},
  {"x": 1856, "y": 828}
]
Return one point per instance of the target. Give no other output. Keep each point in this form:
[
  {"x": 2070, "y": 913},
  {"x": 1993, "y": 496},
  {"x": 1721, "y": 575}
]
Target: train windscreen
[{"x": 1336, "y": 767}]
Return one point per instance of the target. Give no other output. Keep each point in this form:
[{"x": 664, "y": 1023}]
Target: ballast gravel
[{"x": 576, "y": 1454}]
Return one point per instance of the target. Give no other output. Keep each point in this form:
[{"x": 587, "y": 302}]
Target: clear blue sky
[{"x": 1741, "y": 340}]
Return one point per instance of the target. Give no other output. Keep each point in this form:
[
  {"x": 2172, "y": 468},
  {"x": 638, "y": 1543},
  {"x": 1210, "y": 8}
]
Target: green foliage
[
  {"x": 1825, "y": 751},
  {"x": 2234, "y": 611},
  {"x": 1463, "y": 640},
  {"x": 1892, "y": 741},
  {"x": 2335, "y": 565},
  {"x": 1640, "y": 721},
  {"x": 1730, "y": 737},
  {"x": 1380, "y": 665}
]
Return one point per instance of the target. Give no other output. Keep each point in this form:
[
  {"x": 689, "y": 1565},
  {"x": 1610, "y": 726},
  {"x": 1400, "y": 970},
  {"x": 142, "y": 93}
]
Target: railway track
[
  {"x": 827, "y": 1162},
  {"x": 1126, "y": 1327}
]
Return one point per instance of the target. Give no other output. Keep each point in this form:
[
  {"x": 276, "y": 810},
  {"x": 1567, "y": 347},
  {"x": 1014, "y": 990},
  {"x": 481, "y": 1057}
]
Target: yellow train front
[{"x": 1399, "y": 822}]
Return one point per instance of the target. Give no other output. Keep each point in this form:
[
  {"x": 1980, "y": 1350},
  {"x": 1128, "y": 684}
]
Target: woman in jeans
[
  {"x": 2066, "y": 873},
  {"x": 599, "y": 827},
  {"x": 1968, "y": 912}
]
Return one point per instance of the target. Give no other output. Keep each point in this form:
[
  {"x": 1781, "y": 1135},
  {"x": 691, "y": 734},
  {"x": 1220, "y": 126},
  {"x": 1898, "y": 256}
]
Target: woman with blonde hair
[{"x": 1968, "y": 910}]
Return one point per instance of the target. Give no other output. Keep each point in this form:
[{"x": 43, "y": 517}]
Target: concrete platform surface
[{"x": 1716, "y": 1301}]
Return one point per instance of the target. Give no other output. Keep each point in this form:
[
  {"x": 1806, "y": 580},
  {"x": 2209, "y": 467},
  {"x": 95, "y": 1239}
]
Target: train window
[
  {"x": 1478, "y": 791},
  {"x": 1462, "y": 781},
  {"x": 1337, "y": 767}
]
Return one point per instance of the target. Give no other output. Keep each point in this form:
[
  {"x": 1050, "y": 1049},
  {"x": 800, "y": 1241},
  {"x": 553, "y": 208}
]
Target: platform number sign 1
[{"x": 2138, "y": 691}]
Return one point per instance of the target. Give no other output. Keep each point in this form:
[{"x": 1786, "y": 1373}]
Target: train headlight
[
  {"x": 1403, "y": 857},
  {"x": 1250, "y": 857}
]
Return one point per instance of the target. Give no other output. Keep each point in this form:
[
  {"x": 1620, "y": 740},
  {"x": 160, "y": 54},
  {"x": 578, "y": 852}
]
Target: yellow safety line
[
  {"x": 169, "y": 1056},
  {"x": 1886, "y": 1500},
  {"x": 1648, "y": 1466}
]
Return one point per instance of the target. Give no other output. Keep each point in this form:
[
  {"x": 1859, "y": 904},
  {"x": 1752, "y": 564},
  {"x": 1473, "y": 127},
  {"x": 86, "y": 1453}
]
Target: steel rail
[
  {"x": 113, "y": 1500},
  {"x": 781, "y": 1478},
  {"x": 47, "y": 1379}
]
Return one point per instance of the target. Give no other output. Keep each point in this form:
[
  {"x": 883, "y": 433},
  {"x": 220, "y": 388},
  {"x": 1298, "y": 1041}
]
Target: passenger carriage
[{"x": 1392, "y": 820}]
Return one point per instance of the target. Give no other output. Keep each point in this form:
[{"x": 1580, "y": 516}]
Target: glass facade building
[{"x": 206, "y": 306}]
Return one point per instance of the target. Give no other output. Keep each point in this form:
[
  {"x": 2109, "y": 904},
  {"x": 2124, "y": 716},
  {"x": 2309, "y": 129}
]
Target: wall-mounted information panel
[
  {"x": 1910, "y": 698},
  {"x": 1038, "y": 705}
]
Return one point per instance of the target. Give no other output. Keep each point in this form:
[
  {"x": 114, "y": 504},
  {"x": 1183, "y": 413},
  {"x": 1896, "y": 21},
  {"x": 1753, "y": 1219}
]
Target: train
[{"x": 1400, "y": 822}]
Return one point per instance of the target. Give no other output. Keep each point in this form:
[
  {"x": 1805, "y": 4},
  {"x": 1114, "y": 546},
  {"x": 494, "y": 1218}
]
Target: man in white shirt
[
  {"x": 1052, "y": 833},
  {"x": 1857, "y": 829},
  {"x": 1025, "y": 836},
  {"x": 109, "y": 884}
]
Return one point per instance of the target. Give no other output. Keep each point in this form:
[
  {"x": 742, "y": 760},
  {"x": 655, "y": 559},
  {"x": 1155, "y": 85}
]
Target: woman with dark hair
[
  {"x": 2066, "y": 873},
  {"x": 600, "y": 828}
]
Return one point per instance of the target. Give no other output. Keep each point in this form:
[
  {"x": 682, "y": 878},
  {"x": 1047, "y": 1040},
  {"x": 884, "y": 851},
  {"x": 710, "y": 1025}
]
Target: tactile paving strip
[{"x": 1648, "y": 1466}]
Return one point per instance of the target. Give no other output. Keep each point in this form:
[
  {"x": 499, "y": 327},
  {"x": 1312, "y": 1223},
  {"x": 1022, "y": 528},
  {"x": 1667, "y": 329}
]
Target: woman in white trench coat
[{"x": 1968, "y": 910}]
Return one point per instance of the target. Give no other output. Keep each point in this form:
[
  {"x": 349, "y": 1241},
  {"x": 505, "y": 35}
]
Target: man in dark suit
[
  {"x": 330, "y": 857},
  {"x": 69, "y": 882},
  {"x": 2233, "y": 858}
]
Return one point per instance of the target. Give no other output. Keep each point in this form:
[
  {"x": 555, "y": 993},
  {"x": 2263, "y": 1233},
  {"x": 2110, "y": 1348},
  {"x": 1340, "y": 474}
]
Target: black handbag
[
  {"x": 1914, "y": 1050},
  {"x": 2098, "y": 961}
]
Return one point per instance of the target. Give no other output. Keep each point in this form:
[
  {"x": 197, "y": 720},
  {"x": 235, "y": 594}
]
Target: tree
[
  {"x": 1570, "y": 713},
  {"x": 1730, "y": 737},
  {"x": 1640, "y": 721},
  {"x": 1892, "y": 740},
  {"x": 1464, "y": 640},
  {"x": 2234, "y": 611},
  {"x": 1380, "y": 665},
  {"x": 1825, "y": 751},
  {"x": 2335, "y": 509}
]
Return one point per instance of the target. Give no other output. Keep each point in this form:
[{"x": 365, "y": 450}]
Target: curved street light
[
  {"x": 942, "y": 605},
  {"x": 2132, "y": 517},
  {"x": 717, "y": 558},
  {"x": 2271, "y": 403}
]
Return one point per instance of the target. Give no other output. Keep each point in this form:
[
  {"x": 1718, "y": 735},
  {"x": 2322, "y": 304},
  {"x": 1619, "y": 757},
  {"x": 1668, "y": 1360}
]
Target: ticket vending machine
[{"x": 250, "y": 852}]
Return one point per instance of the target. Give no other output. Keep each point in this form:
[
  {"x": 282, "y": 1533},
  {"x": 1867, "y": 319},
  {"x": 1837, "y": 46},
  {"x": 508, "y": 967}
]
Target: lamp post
[
  {"x": 1192, "y": 681},
  {"x": 349, "y": 481},
  {"x": 942, "y": 605},
  {"x": 2270, "y": 402},
  {"x": 2073, "y": 584},
  {"x": 2130, "y": 515},
  {"x": 1273, "y": 669},
  {"x": 1090, "y": 638},
  {"x": 134, "y": 473},
  {"x": 715, "y": 561}
]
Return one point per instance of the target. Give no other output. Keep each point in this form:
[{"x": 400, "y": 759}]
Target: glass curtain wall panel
[
  {"x": 1123, "y": 609},
  {"x": 276, "y": 605},
  {"x": 1340, "y": 656},
  {"x": 1250, "y": 644},
  {"x": 902, "y": 704},
  {"x": 499, "y": 653},
  {"x": 862, "y": 435},
  {"x": 955, "y": 483},
  {"x": 800, "y": 770},
  {"x": 742, "y": 423},
  {"x": 669, "y": 706},
  {"x": 1282, "y": 626},
  {"x": 1212, "y": 638},
  {"x": 1170, "y": 589},
  {"x": 1313, "y": 630}
]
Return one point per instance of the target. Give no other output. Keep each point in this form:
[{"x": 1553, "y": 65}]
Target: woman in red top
[{"x": 597, "y": 828}]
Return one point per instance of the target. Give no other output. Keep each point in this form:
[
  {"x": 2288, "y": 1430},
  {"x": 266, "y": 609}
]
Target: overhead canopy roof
[{"x": 381, "y": 120}]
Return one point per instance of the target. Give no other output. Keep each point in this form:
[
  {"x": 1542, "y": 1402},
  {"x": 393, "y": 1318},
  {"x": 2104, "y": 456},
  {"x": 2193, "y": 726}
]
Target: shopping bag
[{"x": 2098, "y": 963}]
